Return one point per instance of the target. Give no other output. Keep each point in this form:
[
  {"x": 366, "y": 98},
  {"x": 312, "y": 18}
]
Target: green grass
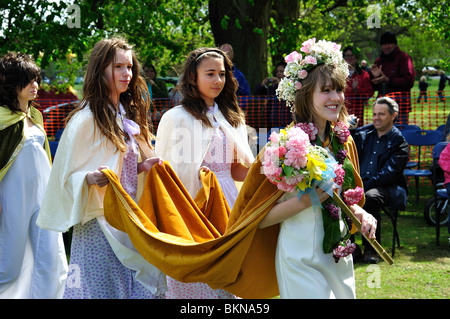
[{"x": 421, "y": 269}]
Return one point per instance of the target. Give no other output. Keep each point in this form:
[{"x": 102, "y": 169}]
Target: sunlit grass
[{"x": 421, "y": 269}]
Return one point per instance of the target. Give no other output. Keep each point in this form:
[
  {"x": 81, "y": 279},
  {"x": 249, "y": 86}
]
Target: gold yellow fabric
[
  {"x": 8, "y": 118},
  {"x": 188, "y": 239},
  {"x": 194, "y": 240}
]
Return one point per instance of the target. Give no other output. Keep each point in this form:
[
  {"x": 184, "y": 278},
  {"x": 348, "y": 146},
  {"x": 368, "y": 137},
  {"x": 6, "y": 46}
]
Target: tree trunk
[{"x": 246, "y": 31}]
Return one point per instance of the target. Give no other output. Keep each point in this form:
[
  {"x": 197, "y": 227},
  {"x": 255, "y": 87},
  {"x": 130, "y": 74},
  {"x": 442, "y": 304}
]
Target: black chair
[
  {"x": 440, "y": 194},
  {"x": 420, "y": 138},
  {"x": 396, "y": 205}
]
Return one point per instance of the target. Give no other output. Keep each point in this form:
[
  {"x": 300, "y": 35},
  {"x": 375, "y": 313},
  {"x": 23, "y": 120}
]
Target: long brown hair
[
  {"x": 227, "y": 99},
  {"x": 323, "y": 75},
  {"x": 96, "y": 93}
]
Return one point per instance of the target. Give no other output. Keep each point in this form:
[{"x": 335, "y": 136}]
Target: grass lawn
[{"x": 421, "y": 269}]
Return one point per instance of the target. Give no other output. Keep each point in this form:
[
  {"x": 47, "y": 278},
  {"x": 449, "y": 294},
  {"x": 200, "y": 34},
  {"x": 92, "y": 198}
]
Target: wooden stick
[{"x": 379, "y": 249}]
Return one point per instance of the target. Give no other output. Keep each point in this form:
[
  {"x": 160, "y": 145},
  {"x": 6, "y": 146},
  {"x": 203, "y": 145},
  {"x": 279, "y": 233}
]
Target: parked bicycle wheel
[{"x": 430, "y": 211}]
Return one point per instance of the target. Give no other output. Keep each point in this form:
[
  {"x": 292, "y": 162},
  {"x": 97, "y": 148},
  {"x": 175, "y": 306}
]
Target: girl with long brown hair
[
  {"x": 206, "y": 130},
  {"x": 108, "y": 129}
]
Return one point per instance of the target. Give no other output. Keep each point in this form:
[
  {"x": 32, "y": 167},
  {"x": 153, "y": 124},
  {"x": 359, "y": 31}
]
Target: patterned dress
[
  {"x": 215, "y": 159},
  {"x": 94, "y": 271}
]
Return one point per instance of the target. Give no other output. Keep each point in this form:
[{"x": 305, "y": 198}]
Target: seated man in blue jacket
[{"x": 383, "y": 154}]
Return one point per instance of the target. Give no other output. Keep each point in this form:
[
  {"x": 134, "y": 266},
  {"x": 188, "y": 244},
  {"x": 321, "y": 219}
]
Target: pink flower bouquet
[{"x": 292, "y": 163}]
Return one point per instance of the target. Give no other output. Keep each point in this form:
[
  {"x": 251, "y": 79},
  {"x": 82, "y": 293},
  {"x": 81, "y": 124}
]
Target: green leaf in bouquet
[
  {"x": 349, "y": 178},
  {"x": 288, "y": 170}
]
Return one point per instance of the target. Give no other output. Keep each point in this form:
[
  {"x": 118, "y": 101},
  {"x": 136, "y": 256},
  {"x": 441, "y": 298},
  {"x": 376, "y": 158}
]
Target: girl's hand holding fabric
[
  {"x": 97, "y": 177},
  {"x": 147, "y": 164},
  {"x": 205, "y": 168}
]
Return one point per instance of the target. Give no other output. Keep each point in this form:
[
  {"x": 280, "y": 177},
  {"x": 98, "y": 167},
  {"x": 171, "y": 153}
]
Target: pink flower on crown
[
  {"x": 310, "y": 60},
  {"x": 336, "y": 47},
  {"x": 302, "y": 74},
  {"x": 307, "y": 45},
  {"x": 298, "y": 86},
  {"x": 293, "y": 57}
]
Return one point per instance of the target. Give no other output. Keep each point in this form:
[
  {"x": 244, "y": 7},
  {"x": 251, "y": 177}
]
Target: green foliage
[{"x": 164, "y": 31}]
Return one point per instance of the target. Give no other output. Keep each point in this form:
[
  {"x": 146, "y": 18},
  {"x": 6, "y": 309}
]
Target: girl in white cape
[
  {"x": 206, "y": 130},
  {"x": 102, "y": 132}
]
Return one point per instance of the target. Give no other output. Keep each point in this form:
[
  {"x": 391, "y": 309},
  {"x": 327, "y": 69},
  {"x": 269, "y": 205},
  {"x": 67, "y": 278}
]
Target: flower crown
[{"x": 297, "y": 68}]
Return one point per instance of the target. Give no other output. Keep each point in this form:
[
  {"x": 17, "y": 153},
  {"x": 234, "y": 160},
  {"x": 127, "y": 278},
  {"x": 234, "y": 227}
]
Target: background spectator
[
  {"x": 156, "y": 87},
  {"x": 442, "y": 81},
  {"x": 383, "y": 154},
  {"x": 244, "y": 88},
  {"x": 423, "y": 87},
  {"x": 393, "y": 71},
  {"x": 359, "y": 87}
]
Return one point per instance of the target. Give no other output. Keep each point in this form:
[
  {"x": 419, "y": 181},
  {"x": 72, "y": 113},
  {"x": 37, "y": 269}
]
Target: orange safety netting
[{"x": 264, "y": 113}]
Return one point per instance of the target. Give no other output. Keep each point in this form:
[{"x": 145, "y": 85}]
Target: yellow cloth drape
[
  {"x": 8, "y": 118},
  {"x": 194, "y": 240},
  {"x": 190, "y": 240}
]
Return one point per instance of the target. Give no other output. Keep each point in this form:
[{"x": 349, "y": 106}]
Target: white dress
[
  {"x": 215, "y": 153},
  {"x": 33, "y": 262},
  {"x": 303, "y": 270}
]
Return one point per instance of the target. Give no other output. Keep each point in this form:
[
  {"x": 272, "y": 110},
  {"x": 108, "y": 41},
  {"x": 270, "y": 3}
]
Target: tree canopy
[{"x": 261, "y": 32}]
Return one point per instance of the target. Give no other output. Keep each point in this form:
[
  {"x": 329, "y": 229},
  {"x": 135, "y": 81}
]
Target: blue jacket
[
  {"x": 244, "y": 88},
  {"x": 390, "y": 163}
]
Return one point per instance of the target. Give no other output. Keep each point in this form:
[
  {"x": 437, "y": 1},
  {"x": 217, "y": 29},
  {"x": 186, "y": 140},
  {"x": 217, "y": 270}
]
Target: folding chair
[
  {"x": 439, "y": 193},
  {"x": 441, "y": 128},
  {"x": 419, "y": 139},
  {"x": 392, "y": 211},
  {"x": 404, "y": 127}
]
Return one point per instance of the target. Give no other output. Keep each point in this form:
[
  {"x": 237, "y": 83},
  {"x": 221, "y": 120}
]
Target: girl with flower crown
[
  {"x": 309, "y": 263},
  {"x": 206, "y": 130}
]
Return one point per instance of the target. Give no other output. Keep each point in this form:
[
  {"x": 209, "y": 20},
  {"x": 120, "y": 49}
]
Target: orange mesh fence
[
  {"x": 264, "y": 113},
  {"x": 54, "y": 113}
]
